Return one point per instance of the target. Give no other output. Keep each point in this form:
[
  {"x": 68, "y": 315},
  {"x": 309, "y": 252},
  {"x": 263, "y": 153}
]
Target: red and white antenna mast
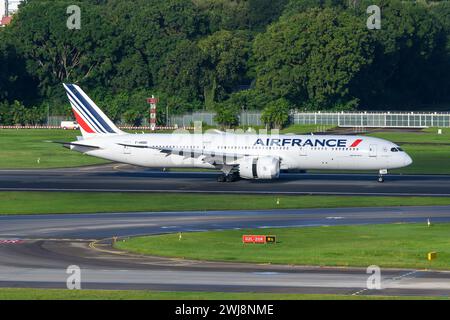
[{"x": 152, "y": 101}]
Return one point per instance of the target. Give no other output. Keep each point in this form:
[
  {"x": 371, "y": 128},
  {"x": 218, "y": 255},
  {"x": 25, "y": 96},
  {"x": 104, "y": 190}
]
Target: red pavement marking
[{"x": 11, "y": 241}]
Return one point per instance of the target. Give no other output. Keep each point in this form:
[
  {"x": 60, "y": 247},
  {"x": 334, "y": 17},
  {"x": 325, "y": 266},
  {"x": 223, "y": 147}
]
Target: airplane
[{"x": 237, "y": 155}]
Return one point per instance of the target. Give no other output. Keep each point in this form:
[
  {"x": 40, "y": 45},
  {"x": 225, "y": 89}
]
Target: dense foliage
[{"x": 226, "y": 56}]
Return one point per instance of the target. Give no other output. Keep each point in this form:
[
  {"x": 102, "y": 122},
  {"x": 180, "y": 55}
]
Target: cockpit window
[
  {"x": 394, "y": 149},
  {"x": 399, "y": 149}
]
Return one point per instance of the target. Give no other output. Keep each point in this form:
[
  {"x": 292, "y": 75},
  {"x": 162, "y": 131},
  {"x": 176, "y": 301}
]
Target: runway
[
  {"x": 46, "y": 245},
  {"x": 122, "y": 178}
]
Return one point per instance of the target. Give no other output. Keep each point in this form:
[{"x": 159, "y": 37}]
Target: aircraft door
[
  {"x": 373, "y": 150},
  {"x": 303, "y": 151},
  {"x": 206, "y": 145},
  {"x": 126, "y": 149}
]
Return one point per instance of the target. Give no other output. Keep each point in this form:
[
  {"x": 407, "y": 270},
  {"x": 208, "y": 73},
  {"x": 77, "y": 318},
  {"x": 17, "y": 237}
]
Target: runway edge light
[{"x": 432, "y": 255}]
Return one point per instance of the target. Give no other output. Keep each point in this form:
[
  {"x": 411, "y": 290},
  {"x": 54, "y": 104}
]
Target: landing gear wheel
[
  {"x": 381, "y": 174},
  {"x": 229, "y": 178}
]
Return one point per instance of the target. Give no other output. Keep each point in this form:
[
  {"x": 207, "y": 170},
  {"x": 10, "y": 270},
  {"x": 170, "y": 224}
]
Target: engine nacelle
[{"x": 259, "y": 168}]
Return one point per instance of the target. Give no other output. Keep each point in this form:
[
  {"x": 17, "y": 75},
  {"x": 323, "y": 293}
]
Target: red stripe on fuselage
[
  {"x": 81, "y": 122},
  {"x": 356, "y": 143}
]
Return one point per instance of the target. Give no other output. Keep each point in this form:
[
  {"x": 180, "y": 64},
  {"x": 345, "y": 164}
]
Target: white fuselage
[{"x": 334, "y": 152}]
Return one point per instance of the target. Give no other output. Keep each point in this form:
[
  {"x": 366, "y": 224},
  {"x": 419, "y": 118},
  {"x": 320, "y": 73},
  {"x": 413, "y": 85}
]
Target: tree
[
  {"x": 116, "y": 105},
  {"x": 18, "y": 112},
  {"x": 15, "y": 82},
  {"x": 297, "y": 6},
  {"x": 182, "y": 72},
  {"x": 249, "y": 100},
  {"x": 409, "y": 59},
  {"x": 241, "y": 14},
  {"x": 148, "y": 31},
  {"x": 5, "y": 113},
  {"x": 196, "y": 54},
  {"x": 225, "y": 56},
  {"x": 310, "y": 58},
  {"x": 227, "y": 115},
  {"x": 276, "y": 114},
  {"x": 34, "y": 115},
  {"x": 132, "y": 117},
  {"x": 55, "y": 54},
  {"x": 264, "y": 12}
]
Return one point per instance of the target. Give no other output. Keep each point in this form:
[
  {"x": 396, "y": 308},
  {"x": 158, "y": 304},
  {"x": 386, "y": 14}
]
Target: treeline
[{"x": 225, "y": 55}]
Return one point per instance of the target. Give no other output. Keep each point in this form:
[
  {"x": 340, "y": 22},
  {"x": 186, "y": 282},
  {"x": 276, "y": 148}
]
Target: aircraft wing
[{"x": 207, "y": 156}]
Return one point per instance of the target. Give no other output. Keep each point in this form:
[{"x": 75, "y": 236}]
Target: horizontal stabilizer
[{"x": 69, "y": 144}]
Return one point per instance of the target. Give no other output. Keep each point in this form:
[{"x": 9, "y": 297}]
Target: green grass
[
  {"x": 22, "y": 149},
  {"x": 87, "y": 202},
  {"x": 394, "y": 245},
  {"x": 59, "y": 294},
  {"x": 427, "y": 158},
  {"x": 428, "y": 136}
]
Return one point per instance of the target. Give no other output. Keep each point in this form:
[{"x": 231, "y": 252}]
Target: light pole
[
  {"x": 167, "y": 115},
  {"x": 48, "y": 114}
]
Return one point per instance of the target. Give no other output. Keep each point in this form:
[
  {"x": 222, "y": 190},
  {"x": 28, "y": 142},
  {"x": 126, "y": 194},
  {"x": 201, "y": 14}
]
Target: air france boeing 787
[{"x": 247, "y": 156}]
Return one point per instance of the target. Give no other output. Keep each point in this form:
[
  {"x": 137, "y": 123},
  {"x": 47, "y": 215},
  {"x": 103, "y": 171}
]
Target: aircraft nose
[{"x": 408, "y": 160}]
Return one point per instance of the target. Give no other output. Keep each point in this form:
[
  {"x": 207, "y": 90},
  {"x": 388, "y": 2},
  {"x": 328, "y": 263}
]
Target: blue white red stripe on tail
[{"x": 91, "y": 119}]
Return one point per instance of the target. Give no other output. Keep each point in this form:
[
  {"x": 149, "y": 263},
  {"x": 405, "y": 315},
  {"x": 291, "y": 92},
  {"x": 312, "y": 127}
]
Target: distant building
[{"x": 7, "y": 9}]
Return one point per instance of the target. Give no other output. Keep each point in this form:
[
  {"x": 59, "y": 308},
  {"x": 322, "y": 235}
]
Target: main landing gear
[
  {"x": 231, "y": 177},
  {"x": 381, "y": 174}
]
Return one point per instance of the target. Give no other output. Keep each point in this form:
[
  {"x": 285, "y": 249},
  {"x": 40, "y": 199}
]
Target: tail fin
[{"x": 91, "y": 119}]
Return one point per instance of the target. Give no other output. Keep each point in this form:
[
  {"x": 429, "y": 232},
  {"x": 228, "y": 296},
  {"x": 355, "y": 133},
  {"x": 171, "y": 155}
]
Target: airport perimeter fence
[
  {"x": 54, "y": 122},
  {"x": 245, "y": 118},
  {"x": 339, "y": 119}
]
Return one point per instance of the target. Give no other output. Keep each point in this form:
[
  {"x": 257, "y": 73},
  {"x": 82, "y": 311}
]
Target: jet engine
[{"x": 265, "y": 167}]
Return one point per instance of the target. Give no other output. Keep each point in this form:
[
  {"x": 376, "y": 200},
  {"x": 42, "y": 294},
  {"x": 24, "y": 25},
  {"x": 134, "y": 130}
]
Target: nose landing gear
[{"x": 381, "y": 174}]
